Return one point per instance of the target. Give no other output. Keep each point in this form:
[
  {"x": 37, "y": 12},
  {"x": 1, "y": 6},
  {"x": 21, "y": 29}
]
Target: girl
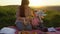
[{"x": 35, "y": 21}]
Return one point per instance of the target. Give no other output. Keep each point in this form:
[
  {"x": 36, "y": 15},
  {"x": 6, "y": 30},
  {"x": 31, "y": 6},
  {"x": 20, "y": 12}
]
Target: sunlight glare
[{"x": 35, "y": 2}]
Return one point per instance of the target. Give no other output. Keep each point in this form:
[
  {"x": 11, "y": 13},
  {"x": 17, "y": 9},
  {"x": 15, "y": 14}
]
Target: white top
[
  {"x": 8, "y": 30},
  {"x": 40, "y": 13},
  {"x": 51, "y": 29}
]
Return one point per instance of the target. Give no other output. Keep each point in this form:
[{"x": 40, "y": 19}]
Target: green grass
[{"x": 7, "y": 17}]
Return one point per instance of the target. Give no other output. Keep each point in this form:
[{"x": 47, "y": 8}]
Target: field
[{"x": 7, "y": 16}]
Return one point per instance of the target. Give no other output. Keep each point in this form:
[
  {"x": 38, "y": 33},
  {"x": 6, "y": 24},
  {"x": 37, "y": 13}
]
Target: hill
[
  {"x": 56, "y": 8},
  {"x": 7, "y": 15}
]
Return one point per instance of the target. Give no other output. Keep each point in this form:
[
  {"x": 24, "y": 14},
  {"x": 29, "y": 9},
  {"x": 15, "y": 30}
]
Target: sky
[{"x": 32, "y": 2}]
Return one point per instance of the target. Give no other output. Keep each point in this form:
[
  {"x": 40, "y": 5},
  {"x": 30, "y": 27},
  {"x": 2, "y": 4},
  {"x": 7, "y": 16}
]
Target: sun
[{"x": 36, "y": 3}]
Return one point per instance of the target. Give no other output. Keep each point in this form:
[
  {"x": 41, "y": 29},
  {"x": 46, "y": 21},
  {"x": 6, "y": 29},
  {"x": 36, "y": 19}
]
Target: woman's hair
[
  {"x": 22, "y": 11},
  {"x": 25, "y": 2},
  {"x": 22, "y": 8}
]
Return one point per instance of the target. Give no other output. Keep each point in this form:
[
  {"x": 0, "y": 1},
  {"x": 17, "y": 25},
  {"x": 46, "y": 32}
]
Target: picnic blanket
[
  {"x": 31, "y": 32},
  {"x": 37, "y": 32}
]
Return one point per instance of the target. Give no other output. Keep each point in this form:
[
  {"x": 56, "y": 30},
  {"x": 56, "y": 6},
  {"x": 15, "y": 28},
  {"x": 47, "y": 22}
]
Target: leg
[
  {"x": 28, "y": 27},
  {"x": 20, "y": 25}
]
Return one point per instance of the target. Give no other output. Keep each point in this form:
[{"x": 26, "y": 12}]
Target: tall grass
[{"x": 7, "y": 17}]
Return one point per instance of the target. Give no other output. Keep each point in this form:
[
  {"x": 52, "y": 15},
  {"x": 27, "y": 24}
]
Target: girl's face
[{"x": 35, "y": 13}]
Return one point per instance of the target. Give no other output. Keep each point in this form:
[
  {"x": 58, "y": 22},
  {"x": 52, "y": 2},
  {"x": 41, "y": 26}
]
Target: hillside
[
  {"x": 45, "y": 7},
  {"x": 56, "y": 8},
  {"x": 7, "y": 15}
]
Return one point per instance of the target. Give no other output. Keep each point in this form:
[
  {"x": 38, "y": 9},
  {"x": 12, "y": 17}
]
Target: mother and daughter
[{"x": 26, "y": 19}]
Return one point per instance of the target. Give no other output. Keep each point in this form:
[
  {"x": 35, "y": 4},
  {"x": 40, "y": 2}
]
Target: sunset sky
[{"x": 32, "y": 2}]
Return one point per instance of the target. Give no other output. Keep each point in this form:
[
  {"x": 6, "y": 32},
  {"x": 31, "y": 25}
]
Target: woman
[{"x": 22, "y": 20}]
